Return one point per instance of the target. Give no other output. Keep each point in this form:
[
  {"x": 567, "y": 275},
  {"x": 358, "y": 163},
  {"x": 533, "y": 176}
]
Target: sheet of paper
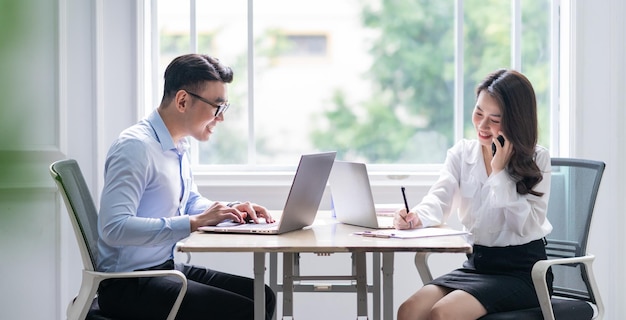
[{"x": 414, "y": 233}]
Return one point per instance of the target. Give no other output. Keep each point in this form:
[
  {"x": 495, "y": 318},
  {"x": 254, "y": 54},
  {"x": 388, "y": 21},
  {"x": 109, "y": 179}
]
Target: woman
[{"x": 502, "y": 201}]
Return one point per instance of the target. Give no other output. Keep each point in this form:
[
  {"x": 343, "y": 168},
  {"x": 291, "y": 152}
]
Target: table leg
[
  {"x": 388, "y": 285},
  {"x": 274, "y": 276},
  {"x": 376, "y": 281},
  {"x": 288, "y": 272},
  {"x": 361, "y": 284},
  {"x": 259, "y": 285}
]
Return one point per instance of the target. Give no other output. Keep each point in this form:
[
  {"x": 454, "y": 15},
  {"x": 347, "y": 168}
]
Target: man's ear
[{"x": 181, "y": 100}]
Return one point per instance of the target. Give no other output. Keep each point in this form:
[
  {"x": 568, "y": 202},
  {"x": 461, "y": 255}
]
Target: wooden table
[{"x": 324, "y": 236}]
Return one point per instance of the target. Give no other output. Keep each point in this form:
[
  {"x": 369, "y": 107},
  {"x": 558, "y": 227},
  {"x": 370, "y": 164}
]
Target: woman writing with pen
[{"x": 500, "y": 184}]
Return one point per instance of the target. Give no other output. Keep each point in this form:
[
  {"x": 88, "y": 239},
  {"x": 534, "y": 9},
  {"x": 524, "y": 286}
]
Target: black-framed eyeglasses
[{"x": 221, "y": 108}]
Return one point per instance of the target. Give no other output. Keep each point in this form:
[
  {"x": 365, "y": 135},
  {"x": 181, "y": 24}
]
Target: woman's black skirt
[{"x": 499, "y": 277}]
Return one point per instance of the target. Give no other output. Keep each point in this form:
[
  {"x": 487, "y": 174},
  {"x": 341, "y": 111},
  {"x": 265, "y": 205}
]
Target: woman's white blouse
[{"x": 488, "y": 206}]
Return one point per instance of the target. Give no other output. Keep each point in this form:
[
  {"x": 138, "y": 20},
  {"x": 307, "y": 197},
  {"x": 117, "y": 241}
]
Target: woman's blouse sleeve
[{"x": 435, "y": 207}]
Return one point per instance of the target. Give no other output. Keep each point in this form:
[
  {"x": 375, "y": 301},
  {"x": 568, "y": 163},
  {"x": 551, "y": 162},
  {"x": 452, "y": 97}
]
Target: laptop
[
  {"x": 302, "y": 202},
  {"x": 352, "y": 197}
]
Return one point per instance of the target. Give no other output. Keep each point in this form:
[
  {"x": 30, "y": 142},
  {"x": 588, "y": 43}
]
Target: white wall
[
  {"x": 78, "y": 74},
  {"x": 597, "y": 132}
]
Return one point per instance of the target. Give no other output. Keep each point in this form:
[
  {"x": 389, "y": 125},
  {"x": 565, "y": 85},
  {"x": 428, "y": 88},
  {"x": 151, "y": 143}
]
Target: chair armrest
[
  {"x": 421, "y": 263},
  {"x": 541, "y": 287},
  {"x": 539, "y": 280},
  {"x": 77, "y": 310},
  {"x": 177, "y": 248}
]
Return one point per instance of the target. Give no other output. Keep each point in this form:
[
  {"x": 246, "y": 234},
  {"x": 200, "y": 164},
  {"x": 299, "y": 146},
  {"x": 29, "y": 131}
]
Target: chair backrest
[
  {"x": 574, "y": 188},
  {"x": 80, "y": 206}
]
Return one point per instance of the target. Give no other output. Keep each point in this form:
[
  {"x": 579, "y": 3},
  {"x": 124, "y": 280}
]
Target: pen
[
  {"x": 406, "y": 205},
  {"x": 376, "y": 235}
]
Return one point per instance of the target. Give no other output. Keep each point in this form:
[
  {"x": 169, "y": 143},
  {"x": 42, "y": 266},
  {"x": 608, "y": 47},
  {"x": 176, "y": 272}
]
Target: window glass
[
  {"x": 222, "y": 33},
  {"x": 536, "y": 60},
  {"x": 306, "y": 45},
  {"x": 487, "y": 38},
  {"x": 371, "y": 79}
]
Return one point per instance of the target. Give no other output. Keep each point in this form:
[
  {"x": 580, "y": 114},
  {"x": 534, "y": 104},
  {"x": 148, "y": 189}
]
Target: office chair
[
  {"x": 574, "y": 187},
  {"x": 83, "y": 215}
]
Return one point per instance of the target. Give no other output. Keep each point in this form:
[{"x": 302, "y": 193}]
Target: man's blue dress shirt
[{"x": 147, "y": 198}]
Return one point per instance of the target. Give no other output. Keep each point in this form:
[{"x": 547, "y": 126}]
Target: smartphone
[{"x": 493, "y": 145}]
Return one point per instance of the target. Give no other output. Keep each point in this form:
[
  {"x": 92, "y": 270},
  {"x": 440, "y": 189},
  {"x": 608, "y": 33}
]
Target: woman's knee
[
  {"x": 415, "y": 307},
  {"x": 440, "y": 312},
  {"x": 457, "y": 305},
  {"x": 404, "y": 311}
]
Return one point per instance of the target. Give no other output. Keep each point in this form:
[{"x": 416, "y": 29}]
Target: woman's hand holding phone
[{"x": 493, "y": 145}]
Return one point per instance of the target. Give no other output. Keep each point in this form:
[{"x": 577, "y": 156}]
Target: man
[{"x": 149, "y": 202}]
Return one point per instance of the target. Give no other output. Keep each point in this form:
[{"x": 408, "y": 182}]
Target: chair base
[{"x": 563, "y": 310}]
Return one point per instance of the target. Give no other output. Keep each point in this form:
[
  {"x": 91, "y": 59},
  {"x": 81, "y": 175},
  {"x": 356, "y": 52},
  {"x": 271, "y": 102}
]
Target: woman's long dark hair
[{"x": 516, "y": 97}]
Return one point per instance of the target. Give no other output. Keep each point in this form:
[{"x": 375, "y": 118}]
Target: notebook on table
[
  {"x": 353, "y": 201},
  {"x": 302, "y": 201}
]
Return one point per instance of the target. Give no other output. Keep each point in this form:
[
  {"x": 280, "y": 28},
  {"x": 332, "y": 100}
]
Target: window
[
  {"x": 390, "y": 83},
  {"x": 305, "y": 45}
]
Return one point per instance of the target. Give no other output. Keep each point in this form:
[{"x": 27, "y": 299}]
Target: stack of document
[{"x": 413, "y": 233}]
